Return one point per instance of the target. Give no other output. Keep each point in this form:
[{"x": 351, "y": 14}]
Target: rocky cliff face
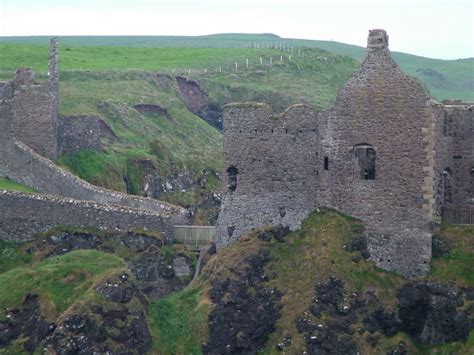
[{"x": 198, "y": 102}]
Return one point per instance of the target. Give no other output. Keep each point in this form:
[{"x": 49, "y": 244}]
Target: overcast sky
[{"x": 431, "y": 28}]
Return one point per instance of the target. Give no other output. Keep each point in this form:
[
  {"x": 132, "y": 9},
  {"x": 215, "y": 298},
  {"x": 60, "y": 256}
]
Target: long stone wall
[
  {"x": 21, "y": 164},
  {"x": 28, "y": 139},
  {"x": 23, "y": 215}
]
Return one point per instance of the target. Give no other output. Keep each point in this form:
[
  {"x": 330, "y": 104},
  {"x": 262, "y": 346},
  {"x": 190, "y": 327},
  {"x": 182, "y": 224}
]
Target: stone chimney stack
[{"x": 377, "y": 40}]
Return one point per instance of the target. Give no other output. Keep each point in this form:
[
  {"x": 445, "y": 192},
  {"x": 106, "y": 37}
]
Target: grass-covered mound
[
  {"x": 310, "y": 261},
  {"x": 83, "y": 289}
]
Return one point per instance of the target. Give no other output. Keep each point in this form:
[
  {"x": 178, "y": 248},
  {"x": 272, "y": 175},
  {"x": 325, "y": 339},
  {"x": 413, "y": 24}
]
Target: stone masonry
[{"x": 385, "y": 152}]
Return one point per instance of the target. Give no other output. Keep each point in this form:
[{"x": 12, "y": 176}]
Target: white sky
[{"x": 431, "y": 28}]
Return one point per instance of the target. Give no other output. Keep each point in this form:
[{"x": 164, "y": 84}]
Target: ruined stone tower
[
  {"x": 378, "y": 154},
  {"x": 34, "y": 107},
  {"x": 379, "y": 143}
]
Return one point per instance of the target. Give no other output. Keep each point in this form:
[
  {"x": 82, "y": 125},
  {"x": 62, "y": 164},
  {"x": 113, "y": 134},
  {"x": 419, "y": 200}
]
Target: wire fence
[{"x": 288, "y": 54}]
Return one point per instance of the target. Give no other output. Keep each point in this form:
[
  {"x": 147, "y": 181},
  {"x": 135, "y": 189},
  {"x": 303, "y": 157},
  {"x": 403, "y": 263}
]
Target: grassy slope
[
  {"x": 459, "y": 74},
  {"x": 60, "y": 281},
  {"x": 6, "y": 184},
  {"x": 182, "y": 140},
  {"x": 311, "y": 255}
]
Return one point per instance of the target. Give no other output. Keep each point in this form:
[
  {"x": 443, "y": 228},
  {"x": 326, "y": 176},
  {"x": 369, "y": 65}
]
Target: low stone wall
[
  {"x": 23, "y": 215},
  {"x": 21, "y": 164}
]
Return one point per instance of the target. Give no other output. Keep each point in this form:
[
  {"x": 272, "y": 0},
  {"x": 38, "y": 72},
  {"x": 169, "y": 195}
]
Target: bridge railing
[
  {"x": 194, "y": 235},
  {"x": 459, "y": 214}
]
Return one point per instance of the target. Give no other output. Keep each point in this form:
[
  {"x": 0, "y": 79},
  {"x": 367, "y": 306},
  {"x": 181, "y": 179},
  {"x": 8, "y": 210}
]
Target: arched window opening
[
  {"x": 365, "y": 156},
  {"x": 232, "y": 172}
]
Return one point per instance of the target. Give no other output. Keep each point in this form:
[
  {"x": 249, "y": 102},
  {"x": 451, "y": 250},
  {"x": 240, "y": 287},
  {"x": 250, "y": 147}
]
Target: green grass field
[{"x": 452, "y": 79}]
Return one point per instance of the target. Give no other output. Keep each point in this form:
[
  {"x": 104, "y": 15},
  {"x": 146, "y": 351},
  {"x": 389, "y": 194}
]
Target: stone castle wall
[
  {"x": 23, "y": 215},
  {"x": 268, "y": 180},
  {"x": 461, "y": 117},
  {"x": 381, "y": 154},
  {"x": 33, "y": 109},
  {"x": 382, "y": 112},
  {"x": 76, "y": 133}
]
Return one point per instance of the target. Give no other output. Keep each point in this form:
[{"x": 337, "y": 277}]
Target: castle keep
[{"x": 385, "y": 152}]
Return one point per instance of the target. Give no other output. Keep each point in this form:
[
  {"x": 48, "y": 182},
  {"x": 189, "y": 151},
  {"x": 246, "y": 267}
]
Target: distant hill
[{"x": 446, "y": 79}]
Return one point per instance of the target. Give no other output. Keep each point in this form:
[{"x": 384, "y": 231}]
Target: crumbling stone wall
[
  {"x": 23, "y": 215},
  {"x": 76, "y": 133},
  {"x": 20, "y": 163},
  {"x": 33, "y": 109},
  {"x": 271, "y": 168},
  {"x": 28, "y": 132},
  {"x": 385, "y": 109},
  {"x": 379, "y": 154}
]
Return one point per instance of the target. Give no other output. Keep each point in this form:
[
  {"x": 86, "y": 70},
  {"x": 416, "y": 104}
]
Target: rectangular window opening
[{"x": 326, "y": 163}]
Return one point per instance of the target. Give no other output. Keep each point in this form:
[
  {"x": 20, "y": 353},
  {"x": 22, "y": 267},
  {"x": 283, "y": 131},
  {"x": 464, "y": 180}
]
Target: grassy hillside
[
  {"x": 446, "y": 79},
  {"x": 308, "y": 257}
]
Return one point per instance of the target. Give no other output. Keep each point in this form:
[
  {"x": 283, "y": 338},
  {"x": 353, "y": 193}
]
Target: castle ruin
[
  {"x": 31, "y": 136},
  {"x": 385, "y": 152}
]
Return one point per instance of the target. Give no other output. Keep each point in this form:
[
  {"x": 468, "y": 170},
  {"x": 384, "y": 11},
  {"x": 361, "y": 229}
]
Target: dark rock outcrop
[
  {"x": 154, "y": 272},
  {"x": 118, "y": 328},
  {"x": 246, "y": 310},
  {"x": 26, "y": 322},
  {"x": 429, "y": 313},
  {"x": 334, "y": 335},
  {"x": 197, "y": 101},
  {"x": 151, "y": 109}
]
